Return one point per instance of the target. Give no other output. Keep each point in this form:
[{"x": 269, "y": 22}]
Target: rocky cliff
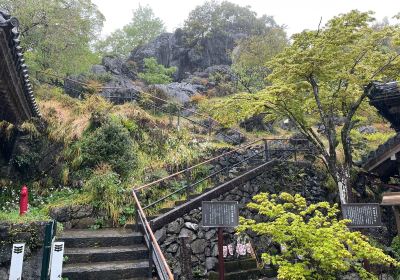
[{"x": 172, "y": 49}]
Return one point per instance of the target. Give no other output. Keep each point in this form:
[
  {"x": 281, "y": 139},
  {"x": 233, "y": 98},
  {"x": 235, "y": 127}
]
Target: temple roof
[
  {"x": 385, "y": 160},
  {"x": 386, "y": 98},
  {"x": 17, "y": 102}
]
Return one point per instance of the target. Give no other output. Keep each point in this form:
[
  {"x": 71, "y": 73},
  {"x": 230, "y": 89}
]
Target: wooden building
[
  {"x": 17, "y": 102},
  {"x": 385, "y": 161}
]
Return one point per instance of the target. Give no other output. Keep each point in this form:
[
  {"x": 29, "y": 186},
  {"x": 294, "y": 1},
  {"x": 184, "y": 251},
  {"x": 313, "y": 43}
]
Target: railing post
[
  {"x": 188, "y": 189},
  {"x": 50, "y": 231},
  {"x": 266, "y": 150},
  {"x": 151, "y": 248},
  {"x": 137, "y": 217}
]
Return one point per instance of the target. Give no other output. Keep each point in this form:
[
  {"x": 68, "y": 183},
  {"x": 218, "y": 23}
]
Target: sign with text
[
  {"x": 362, "y": 215},
  {"x": 17, "y": 260},
  {"x": 220, "y": 213}
]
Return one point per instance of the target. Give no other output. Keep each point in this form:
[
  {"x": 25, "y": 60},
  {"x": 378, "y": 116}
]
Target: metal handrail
[
  {"x": 266, "y": 151},
  {"x": 196, "y": 165},
  {"x": 156, "y": 255},
  {"x": 188, "y": 187}
]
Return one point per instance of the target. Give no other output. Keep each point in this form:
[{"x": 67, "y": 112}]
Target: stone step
[
  {"x": 100, "y": 238},
  {"x": 249, "y": 274},
  {"x": 106, "y": 270},
  {"x": 103, "y": 254},
  {"x": 238, "y": 265}
]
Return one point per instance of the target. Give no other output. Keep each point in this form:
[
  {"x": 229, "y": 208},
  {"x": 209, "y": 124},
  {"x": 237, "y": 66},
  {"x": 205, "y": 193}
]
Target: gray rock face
[
  {"x": 180, "y": 92},
  {"x": 117, "y": 66},
  {"x": 120, "y": 89},
  {"x": 170, "y": 49}
]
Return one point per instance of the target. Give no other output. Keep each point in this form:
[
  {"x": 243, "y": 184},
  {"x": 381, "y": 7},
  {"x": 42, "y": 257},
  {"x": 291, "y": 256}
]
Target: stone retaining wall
[
  {"x": 32, "y": 234},
  {"x": 202, "y": 242}
]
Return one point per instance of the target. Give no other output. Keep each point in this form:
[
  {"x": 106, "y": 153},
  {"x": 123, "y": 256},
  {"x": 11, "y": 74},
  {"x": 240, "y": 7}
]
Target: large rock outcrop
[{"x": 172, "y": 49}]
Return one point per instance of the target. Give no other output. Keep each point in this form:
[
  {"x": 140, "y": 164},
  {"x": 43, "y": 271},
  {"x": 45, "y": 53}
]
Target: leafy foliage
[
  {"x": 322, "y": 77},
  {"x": 108, "y": 144},
  {"x": 314, "y": 243},
  {"x": 107, "y": 191},
  {"x": 144, "y": 27},
  {"x": 250, "y": 56},
  {"x": 226, "y": 17},
  {"x": 155, "y": 73},
  {"x": 57, "y": 34}
]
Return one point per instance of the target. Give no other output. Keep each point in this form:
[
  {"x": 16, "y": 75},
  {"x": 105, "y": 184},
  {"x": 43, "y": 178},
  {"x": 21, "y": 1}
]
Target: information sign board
[
  {"x": 220, "y": 213},
  {"x": 362, "y": 215}
]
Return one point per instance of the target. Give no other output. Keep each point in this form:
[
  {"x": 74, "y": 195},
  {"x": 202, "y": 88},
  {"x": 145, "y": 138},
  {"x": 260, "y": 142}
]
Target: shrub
[
  {"x": 155, "y": 73},
  {"x": 314, "y": 243},
  {"x": 110, "y": 144},
  {"x": 107, "y": 191}
]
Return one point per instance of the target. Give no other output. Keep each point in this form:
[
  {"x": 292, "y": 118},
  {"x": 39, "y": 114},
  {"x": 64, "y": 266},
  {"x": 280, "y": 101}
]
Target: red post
[
  {"x": 221, "y": 265},
  {"x": 23, "y": 200}
]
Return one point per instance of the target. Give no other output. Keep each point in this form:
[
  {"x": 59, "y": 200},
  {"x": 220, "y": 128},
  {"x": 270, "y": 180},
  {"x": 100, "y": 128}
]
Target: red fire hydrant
[{"x": 23, "y": 200}]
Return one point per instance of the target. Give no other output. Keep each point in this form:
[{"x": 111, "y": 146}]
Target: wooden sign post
[{"x": 220, "y": 214}]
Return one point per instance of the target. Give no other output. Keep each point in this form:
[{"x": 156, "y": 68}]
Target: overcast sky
[{"x": 297, "y": 15}]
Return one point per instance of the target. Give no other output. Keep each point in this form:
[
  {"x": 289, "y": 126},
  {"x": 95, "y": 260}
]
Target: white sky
[{"x": 297, "y": 15}]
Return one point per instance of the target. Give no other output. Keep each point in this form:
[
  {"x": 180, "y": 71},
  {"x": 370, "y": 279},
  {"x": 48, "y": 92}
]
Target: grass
[{"x": 33, "y": 215}]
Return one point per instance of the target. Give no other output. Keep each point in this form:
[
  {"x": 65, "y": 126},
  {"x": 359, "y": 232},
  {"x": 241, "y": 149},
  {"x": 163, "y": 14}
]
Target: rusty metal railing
[{"x": 156, "y": 257}]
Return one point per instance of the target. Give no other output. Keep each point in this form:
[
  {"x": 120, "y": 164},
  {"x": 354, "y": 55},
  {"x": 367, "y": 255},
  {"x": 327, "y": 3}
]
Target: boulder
[
  {"x": 174, "y": 227},
  {"x": 198, "y": 246},
  {"x": 120, "y": 89},
  {"x": 118, "y": 66},
  {"x": 180, "y": 92},
  {"x": 161, "y": 235}
]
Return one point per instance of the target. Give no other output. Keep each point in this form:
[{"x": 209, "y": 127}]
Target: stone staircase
[
  {"x": 238, "y": 269},
  {"x": 105, "y": 254}
]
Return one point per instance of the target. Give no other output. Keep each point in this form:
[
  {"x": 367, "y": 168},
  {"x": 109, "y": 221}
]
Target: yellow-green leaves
[{"x": 314, "y": 243}]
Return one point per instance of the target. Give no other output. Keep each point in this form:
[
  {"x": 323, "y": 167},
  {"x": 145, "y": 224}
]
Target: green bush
[
  {"x": 314, "y": 243},
  {"x": 109, "y": 144},
  {"x": 155, "y": 73},
  {"x": 107, "y": 191}
]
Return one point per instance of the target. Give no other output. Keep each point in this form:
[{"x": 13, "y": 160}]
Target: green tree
[
  {"x": 144, "y": 27},
  {"x": 56, "y": 34},
  {"x": 250, "y": 56},
  {"x": 225, "y": 17},
  {"x": 155, "y": 73},
  {"x": 314, "y": 243},
  {"x": 320, "y": 79}
]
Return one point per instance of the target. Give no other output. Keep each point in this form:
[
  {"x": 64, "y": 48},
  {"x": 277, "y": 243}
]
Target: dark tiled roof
[
  {"x": 385, "y": 97},
  {"x": 383, "y": 152},
  {"x": 10, "y": 25}
]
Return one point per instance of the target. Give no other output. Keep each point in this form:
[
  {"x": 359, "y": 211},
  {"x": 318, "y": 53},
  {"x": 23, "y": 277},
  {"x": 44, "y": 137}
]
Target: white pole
[
  {"x": 17, "y": 260},
  {"x": 57, "y": 261}
]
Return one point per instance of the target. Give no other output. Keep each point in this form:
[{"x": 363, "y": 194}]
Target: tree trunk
[{"x": 343, "y": 183}]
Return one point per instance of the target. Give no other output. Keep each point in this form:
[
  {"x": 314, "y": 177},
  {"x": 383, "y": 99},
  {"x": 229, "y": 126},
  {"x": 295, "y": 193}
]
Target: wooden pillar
[{"x": 397, "y": 217}]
